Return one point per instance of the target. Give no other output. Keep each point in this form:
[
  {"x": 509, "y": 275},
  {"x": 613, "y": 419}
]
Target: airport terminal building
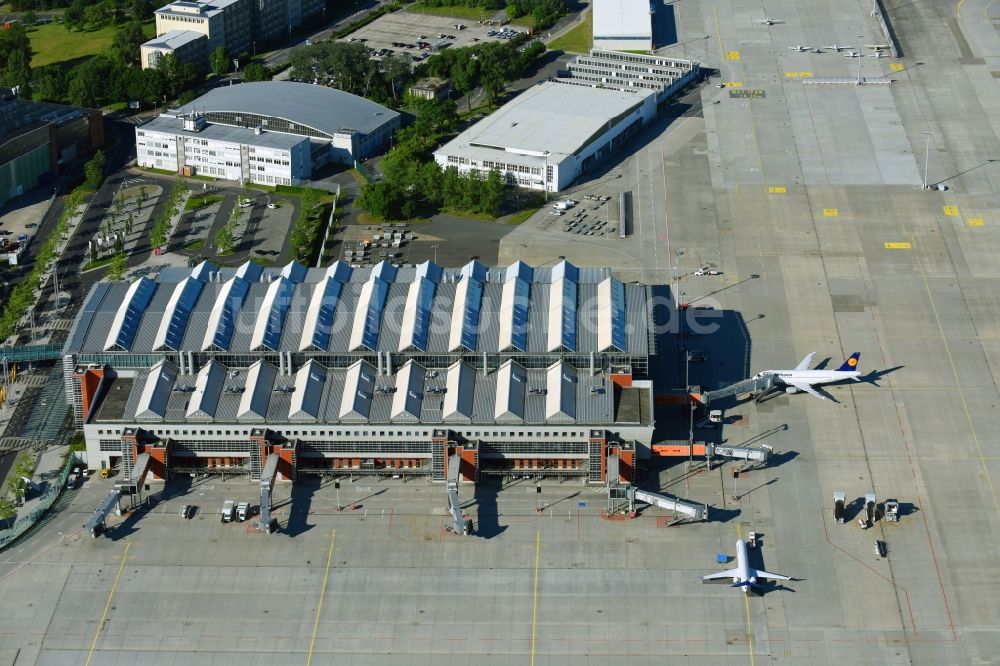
[
  {"x": 379, "y": 370},
  {"x": 270, "y": 132}
]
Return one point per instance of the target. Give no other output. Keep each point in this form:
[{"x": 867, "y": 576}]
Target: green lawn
[
  {"x": 54, "y": 43},
  {"x": 195, "y": 201},
  {"x": 194, "y": 246},
  {"x": 456, "y": 12},
  {"x": 577, "y": 40},
  {"x": 521, "y": 216}
]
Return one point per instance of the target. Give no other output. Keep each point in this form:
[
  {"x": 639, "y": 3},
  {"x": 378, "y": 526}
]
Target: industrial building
[
  {"x": 37, "y": 138},
  {"x": 238, "y": 26},
  {"x": 377, "y": 370},
  {"x": 554, "y": 128},
  {"x": 664, "y": 75},
  {"x": 623, "y": 25},
  {"x": 270, "y": 132}
]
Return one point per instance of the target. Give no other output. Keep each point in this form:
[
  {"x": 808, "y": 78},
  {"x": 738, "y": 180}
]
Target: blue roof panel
[
  {"x": 324, "y": 318},
  {"x": 470, "y": 316},
  {"x": 182, "y": 313},
  {"x": 276, "y": 317},
  {"x": 569, "y": 315},
  {"x": 519, "y": 327},
  {"x": 618, "y": 315},
  {"x": 423, "y": 314},
  {"x": 227, "y": 322},
  {"x": 373, "y": 318}
]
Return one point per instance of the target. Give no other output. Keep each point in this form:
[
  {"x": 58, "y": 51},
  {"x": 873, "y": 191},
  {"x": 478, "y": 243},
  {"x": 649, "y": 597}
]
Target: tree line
[
  {"x": 413, "y": 185},
  {"x": 544, "y": 12}
]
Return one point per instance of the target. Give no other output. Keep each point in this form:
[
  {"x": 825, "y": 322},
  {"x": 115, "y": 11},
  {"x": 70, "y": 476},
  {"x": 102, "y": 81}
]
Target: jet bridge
[
  {"x": 760, "y": 455},
  {"x": 692, "y": 510},
  {"x": 755, "y": 385},
  {"x": 459, "y": 524},
  {"x": 132, "y": 485},
  {"x": 95, "y": 524},
  {"x": 267, "y": 476}
]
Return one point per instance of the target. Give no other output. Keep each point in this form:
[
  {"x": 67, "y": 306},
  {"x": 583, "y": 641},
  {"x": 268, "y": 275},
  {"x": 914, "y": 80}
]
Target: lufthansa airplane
[{"x": 803, "y": 379}]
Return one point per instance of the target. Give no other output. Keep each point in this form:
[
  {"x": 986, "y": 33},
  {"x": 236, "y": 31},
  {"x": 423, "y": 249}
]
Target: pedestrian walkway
[{"x": 51, "y": 470}]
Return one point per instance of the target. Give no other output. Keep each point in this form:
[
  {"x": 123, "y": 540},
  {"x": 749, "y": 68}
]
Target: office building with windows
[{"x": 271, "y": 132}]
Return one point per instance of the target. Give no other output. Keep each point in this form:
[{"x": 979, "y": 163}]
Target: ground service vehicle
[{"x": 228, "y": 511}]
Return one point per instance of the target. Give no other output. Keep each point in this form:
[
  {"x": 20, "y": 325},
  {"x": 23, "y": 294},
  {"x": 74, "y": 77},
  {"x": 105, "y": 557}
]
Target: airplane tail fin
[{"x": 851, "y": 364}]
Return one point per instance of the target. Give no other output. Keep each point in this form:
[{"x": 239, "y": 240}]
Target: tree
[
  {"x": 380, "y": 199},
  {"x": 87, "y": 80},
  {"x": 94, "y": 170},
  {"x": 117, "y": 267},
  {"x": 219, "y": 61},
  {"x": 29, "y": 17},
  {"x": 395, "y": 69},
  {"x": 49, "y": 83},
  {"x": 256, "y": 72},
  {"x": 98, "y": 15},
  {"x": 17, "y": 73},
  {"x": 225, "y": 239},
  {"x": 119, "y": 204},
  {"x": 492, "y": 193},
  {"x": 129, "y": 221},
  {"x": 7, "y": 509},
  {"x": 127, "y": 41},
  {"x": 73, "y": 17}
]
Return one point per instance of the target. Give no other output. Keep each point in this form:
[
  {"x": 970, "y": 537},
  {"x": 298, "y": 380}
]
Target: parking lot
[{"x": 400, "y": 32}]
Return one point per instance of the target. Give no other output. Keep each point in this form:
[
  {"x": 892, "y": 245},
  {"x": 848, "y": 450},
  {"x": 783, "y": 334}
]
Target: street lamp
[
  {"x": 927, "y": 155},
  {"x": 861, "y": 58},
  {"x": 435, "y": 248}
]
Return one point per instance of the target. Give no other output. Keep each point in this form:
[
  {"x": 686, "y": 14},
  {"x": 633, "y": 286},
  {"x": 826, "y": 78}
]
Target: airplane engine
[
  {"x": 753, "y": 580},
  {"x": 736, "y": 580},
  {"x": 791, "y": 389}
]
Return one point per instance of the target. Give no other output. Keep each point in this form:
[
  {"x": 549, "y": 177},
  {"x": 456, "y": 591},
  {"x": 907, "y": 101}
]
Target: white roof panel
[
  {"x": 307, "y": 398},
  {"x": 560, "y": 395},
  {"x": 178, "y": 311},
  {"x": 156, "y": 392},
  {"x": 622, "y": 19},
  {"x": 129, "y": 314},
  {"x": 257, "y": 394},
  {"x": 409, "y": 395},
  {"x": 359, "y": 386},
  {"x": 512, "y": 388},
  {"x": 555, "y": 117},
  {"x": 207, "y": 390},
  {"x": 459, "y": 392},
  {"x": 416, "y": 315},
  {"x": 271, "y": 316}
]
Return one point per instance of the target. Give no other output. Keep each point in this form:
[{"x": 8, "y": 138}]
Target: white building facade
[
  {"x": 548, "y": 136},
  {"x": 623, "y": 25}
]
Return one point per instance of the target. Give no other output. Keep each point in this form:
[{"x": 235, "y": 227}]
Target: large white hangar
[
  {"x": 365, "y": 371},
  {"x": 623, "y": 25},
  {"x": 267, "y": 132},
  {"x": 550, "y": 134}
]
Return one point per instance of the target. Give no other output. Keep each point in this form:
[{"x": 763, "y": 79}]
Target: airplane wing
[
  {"x": 729, "y": 573},
  {"x": 767, "y": 574},
  {"x": 806, "y": 388},
  {"x": 804, "y": 363}
]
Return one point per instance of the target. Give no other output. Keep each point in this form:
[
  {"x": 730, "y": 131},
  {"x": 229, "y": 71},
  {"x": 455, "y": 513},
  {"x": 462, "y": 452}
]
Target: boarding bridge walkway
[
  {"x": 454, "y": 465},
  {"x": 267, "y": 477},
  {"x": 760, "y": 455},
  {"x": 757, "y": 386},
  {"x": 30, "y": 353},
  {"x": 95, "y": 524},
  {"x": 692, "y": 510},
  {"x": 131, "y": 485}
]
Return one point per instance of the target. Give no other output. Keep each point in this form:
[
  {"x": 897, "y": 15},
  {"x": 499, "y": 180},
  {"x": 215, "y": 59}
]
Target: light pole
[
  {"x": 861, "y": 58},
  {"x": 927, "y": 155},
  {"x": 435, "y": 248}
]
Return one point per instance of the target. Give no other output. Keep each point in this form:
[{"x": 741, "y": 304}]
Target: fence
[{"x": 25, "y": 523}]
